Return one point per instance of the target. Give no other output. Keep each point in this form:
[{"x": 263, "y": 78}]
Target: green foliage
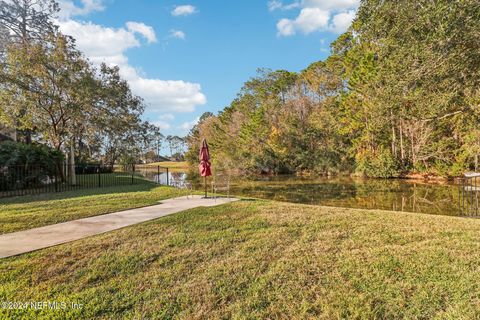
[
  {"x": 50, "y": 92},
  {"x": 399, "y": 93},
  {"x": 27, "y": 165},
  {"x": 379, "y": 164},
  {"x": 28, "y": 155}
]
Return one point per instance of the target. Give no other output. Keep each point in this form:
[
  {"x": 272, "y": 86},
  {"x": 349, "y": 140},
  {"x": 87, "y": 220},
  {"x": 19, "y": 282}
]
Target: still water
[{"x": 391, "y": 194}]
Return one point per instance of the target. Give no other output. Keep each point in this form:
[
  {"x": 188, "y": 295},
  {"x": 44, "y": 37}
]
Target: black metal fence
[
  {"x": 469, "y": 194},
  {"x": 35, "y": 179}
]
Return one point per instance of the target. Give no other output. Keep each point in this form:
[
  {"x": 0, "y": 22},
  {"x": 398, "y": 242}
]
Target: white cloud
[
  {"x": 189, "y": 124},
  {"x": 166, "y": 116},
  {"x": 185, "y": 10},
  {"x": 331, "y": 4},
  {"x": 168, "y": 95},
  {"x": 317, "y": 15},
  {"x": 163, "y": 121},
  {"x": 70, "y": 9},
  {"x": 285, "y": 27},
  {"x": 100, "y": 44},
  {"x": 177, "y": 34},
  {"x": 104, "y": 44},
  {"x": 142, "y": 29},
  {"x": 274, "y": 5},
  {"x": 312, "y": 19},
  {"x": 162, "y": 124},
  {"x": 309, "y": 20},
  {"x": 341, "y": 21},
  {"x": 278, "y": 5}
]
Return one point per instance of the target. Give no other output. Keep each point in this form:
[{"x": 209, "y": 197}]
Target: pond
[{"x": 390, "y": 194}]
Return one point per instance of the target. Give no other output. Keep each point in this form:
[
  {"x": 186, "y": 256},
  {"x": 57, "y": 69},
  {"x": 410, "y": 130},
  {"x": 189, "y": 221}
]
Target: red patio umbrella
[{"x": 204, "y": 165}]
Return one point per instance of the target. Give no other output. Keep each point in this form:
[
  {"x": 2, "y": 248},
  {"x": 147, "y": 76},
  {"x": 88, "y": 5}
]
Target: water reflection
[
  {"x": 172, "y": 178},
  {"x": 392, "y": 194},
  {"x": 398, "y": 195},
  {"x": 162, "y": 177}
]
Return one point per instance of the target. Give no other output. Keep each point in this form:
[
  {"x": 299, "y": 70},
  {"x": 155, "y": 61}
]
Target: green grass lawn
[
  {"x": 27, "y": 212},
  {"x": 173, "y": 166},
  {"x": 108, "y": 179},
  {"x": 259, "y": 259}
]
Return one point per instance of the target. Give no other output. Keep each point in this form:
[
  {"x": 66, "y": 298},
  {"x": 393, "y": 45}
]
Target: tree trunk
[
  {"x": 394, "y": 139},
  {"x": 60, "y": 164},
  {"x": 27, "y": 133},
  {"x": 28, "y": 136},
  {"x": 412, "y": 147},
  {"x": 71, "y": 167},
  {"x": 402, "y": 151}
]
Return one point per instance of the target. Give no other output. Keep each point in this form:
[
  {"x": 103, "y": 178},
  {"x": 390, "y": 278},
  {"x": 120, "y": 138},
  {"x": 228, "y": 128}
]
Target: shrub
[
  {"x": 379, "y": 164},
  {"x": 21, "y": 154},
  {"x": 26, "y": 165},
  {"x": 92, "y": 169}
]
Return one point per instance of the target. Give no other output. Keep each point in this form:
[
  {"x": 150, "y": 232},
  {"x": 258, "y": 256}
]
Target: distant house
[{"x": 7, "y": 134}]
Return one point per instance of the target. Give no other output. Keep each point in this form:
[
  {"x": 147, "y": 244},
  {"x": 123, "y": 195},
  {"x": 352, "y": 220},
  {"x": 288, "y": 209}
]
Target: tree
[
  {"x": 49, "y": 90},
  {"x": 420, "y": 77},
  {"x": 205, "y": 116},
  {"x": 176, "y": 145},
  {"x": 169, "y": 140},
  {"x": 28, "y": 21},
  {"x": 69, "y": 104},
  {"x": 151, "y": 156},
  {"x": 24, "y": 23},
  {"x": 399, "y": 94},
  {"x": 118, "y": 119},
  {"x": 149, "y": 137},
  {"x": 158, "y": 139},
  {"x": 4, "y": 37}
]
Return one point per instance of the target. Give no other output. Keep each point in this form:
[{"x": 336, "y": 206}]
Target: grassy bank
[
  {"x": 260, "y": 259},
  {"x": 173, "y": 166},
  {"x": 27, "y": 212}
]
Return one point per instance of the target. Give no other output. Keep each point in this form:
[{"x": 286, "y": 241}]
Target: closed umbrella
[{"x": 205, "y": 165}]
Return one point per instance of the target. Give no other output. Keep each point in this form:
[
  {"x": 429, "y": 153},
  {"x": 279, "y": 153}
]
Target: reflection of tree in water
[
  {"x": 437, "y": 200},
  {"x": 177, "y": 178},
  {"x": 392, "y": 194},
  {"x": 160, "y": 175},
  {"x": 398, "y": 195}
]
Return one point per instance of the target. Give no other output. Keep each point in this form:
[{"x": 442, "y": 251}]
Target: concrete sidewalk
[{"x": 29, "y": 240}]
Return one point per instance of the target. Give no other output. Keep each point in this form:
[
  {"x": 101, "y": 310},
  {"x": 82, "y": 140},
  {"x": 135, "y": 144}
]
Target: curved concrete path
[{"x": 15, "y": 243}]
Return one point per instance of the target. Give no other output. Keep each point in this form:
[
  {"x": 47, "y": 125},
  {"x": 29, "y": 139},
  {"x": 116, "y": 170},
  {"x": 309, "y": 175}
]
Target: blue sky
[{"x": 188, "y": 57}]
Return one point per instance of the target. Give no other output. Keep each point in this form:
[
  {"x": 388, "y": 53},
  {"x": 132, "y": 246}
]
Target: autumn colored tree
[{"x": 398, "y": 94}]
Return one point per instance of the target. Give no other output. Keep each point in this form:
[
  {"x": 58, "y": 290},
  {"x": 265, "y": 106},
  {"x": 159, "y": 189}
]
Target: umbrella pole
[{"x": 205, "y": 187}]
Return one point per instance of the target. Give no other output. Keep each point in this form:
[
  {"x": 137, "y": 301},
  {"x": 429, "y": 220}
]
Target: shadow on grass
[
  {"x": 251, "y": 199},
  {"x": 138, "y": 187}
]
